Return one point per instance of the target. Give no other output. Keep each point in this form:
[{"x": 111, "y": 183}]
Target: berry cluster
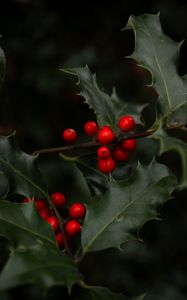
[
  {"x": 112, "y": 148},
  {"x": 72, "y": 226}
]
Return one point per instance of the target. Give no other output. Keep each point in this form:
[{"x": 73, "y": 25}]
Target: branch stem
[{"x": 88, "y": 145}]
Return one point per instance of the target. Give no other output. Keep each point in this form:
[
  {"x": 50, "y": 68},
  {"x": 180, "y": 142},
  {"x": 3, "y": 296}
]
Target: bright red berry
[
  {"x": 59, "y": 239},
  {"x": 105, "y": 135},
  {"x": 103, "y": 152},
  {"x": 69, "y": 135},
  {"x": 45, "y": 213},
  {"x": 106, "y": 165},
  {"x": 120, "y": 154},
  {"x": 26, "y": 200},
  {"x": 53, "y": 221},
  {"x": 73, "y": 227},
  {"x": 129, "y": 144},
  {"x": 90, "y": 128},
  {"x": 40, "y": 204},
  {"x": 77, "y": 210},
  {"x": 58, "y": 199},
  {"x": 126, "y": 123}
]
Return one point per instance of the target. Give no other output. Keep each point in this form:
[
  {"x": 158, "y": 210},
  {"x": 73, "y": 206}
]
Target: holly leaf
[
  {"x": 101, "y": 293},
  {"x": 22, "y": 225},
  {"x": 169, "y": 143},
  {"x": 119, "y": 214},
  {"x": 40, "y": 265},
  {"x": 158, "y": 53},
  {"x": 107, "y": 108},
  {"x": 34, "y": 257},
  {"x": 2, "y": 64},
  {"x": 20, "y": 169}
]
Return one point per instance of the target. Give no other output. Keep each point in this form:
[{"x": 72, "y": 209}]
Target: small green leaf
[
  {"x": 158, "y": 53},
  {"x": 101, "y": 293},
  {"x": 169, "y": 143},
  {"x": 119, "y": 214},
  {"x": 42, "y": 265},
  {"x": 107, "y": 108},
  {"x": 20, "y": 169},
  {"x": 2, "y": 64}
]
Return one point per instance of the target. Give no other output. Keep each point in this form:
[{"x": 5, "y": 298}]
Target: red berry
[
  {"x": 77, "y": 210},
  {"x": 53, "y": 221},
  {"x": 120, "y": 154},
  {"x": 58, "y": 199},
  {"x": 40, "y": 204},
  {"x": 26, "y": 200},
  {"x": 69, "y": 135},
  {"x": 106, "y": 165},
  {"x": 73, "y": 227},
  {"x": 126, "y": 123},
  {"x": 129, "y": 144},
  {"x": 105, "y": 135},
  {"x": 103, "y": 152},
  {"x": 59, "y": 239},
  {"x": 45, "y": 213},
  {"x": 90, "y": 128}
]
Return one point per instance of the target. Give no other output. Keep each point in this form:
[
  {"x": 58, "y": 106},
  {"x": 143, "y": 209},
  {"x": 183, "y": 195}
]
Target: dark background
[{"x": 39, "y": 101}]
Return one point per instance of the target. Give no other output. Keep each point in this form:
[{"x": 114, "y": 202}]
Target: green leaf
[
  {"x": 126, "y": 108},
  {"x": 4, "y": 185},
  {"x": 169, "y": 143},
  {"x": 20, "y": 169},
  {"x": 107, "y": 108},
  {"x": 97, "y": 181},
  {"x": 101, "y": 293},
  {"x": 2, "y": 64},
  {"x": 117, "y": 216},
  {"x": 41, "y": 265},
  {"x": 21, "y": 224},
  {"x": 34, "y": 257},
  {"x": 159, "y": 54}
]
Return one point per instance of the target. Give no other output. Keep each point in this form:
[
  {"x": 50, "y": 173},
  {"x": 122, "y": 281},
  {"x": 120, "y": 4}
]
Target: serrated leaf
[
  {"x": 108, "y": 109},
  {"x": 22, "y": 226},
  {"x": 158, "y": 53},
  {"x": 34, "y": 257},
  {"x": 117, "y": 216},
  {"x": 101, "y": 293},
  {"x": 41, "y": 265},
  {"x": 20, "y": 169},
  {"x": 169, "y": 143},
  {"x": 2, "y": 64}
]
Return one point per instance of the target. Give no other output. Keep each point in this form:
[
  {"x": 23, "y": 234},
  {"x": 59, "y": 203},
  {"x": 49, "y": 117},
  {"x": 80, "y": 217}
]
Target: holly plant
[{"x": 48, "y": 237}]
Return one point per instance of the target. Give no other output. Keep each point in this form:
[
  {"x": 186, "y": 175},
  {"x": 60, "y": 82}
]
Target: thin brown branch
[
  {"x": 89, "y": 145},
  {"x": 139, "y": 135},
  {"x": 67, "y": 148}
]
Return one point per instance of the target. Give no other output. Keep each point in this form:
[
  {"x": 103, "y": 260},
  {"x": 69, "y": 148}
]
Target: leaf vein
[{"x": 120, "y": 212}]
